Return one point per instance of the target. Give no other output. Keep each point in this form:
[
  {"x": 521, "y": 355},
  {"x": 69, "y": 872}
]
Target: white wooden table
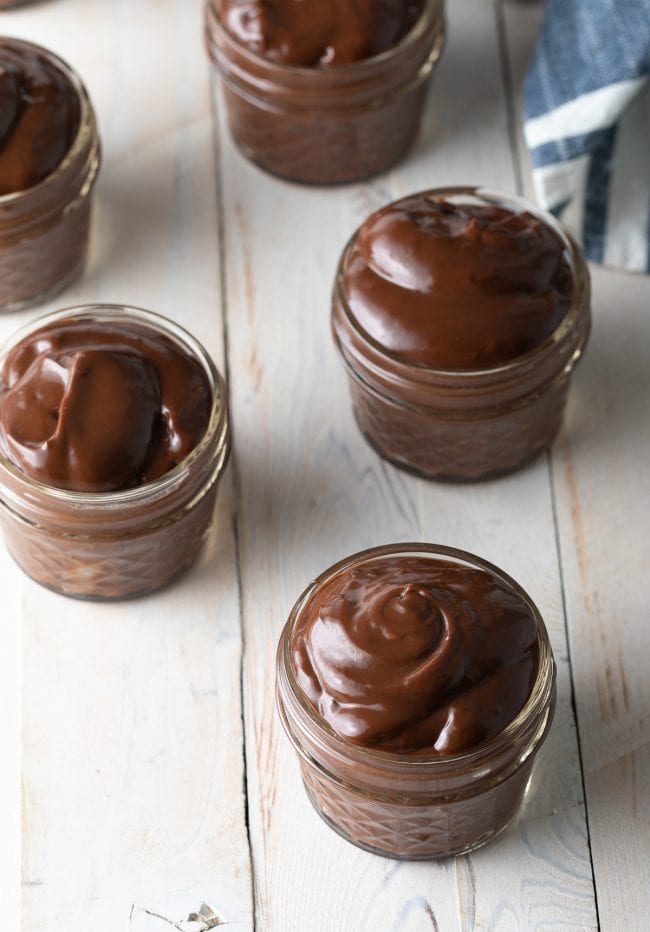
[{"x": 154, "y": 777}]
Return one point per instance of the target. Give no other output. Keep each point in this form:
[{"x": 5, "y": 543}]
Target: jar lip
[
  {"x": 217, "y": 422},
  {"x": 412, "y": 763},
  {"x": 430, "y": 7},
  {"x": 86, "y": 118},
  {"x": 579, "y": 296}
]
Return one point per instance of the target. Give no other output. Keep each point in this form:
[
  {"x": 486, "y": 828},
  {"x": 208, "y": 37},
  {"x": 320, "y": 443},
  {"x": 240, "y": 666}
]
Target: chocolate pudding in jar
[
  {"x": 49, "y": 160},
  {"x": 460, "y": 314},
  {"x": 114, "y": 434},
  {"x": 416, "y": 684},
  {"x": 324, "y": 93}
]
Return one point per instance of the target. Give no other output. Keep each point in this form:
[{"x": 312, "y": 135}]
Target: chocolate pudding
[
  {"x": 416, "y": 683},
  {"x": 324, "y": 92},
  {"x": 49, "y": 159},
  {"x": 417, "y": 655},
  {"x": 113, "y": 436},
  {"x": 312, "y": 34},
  {"x": 40, "y": 113},
  {"x": 457, "y": 286},
  {"x": 460, "y": 315},
  {"x": 100, "y": 407}
]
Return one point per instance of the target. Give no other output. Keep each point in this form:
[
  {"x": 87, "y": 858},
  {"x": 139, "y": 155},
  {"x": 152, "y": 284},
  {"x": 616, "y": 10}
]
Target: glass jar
[
  {"x": 412, "y": 806},
  {"x": 117, "y": 545},
  {"x": 464, "y": 424},
  {"x": 44, "y": 229},
  {"x": 327, "y": 125}
]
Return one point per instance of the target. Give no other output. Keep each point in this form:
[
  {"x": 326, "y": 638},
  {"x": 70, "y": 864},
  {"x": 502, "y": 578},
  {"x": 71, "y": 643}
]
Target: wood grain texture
[
  {"x": 10, "y": 742},
  {"x": 311, "y": 491},
  {"x": 603, "y": 494},
  {"x": 133, "y": 807},
  {"x": 603, "y": 506}
]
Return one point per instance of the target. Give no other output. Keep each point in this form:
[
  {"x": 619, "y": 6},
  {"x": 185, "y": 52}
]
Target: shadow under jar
[
  {"x": 49, "y": 160},
  {"x": 131, "y": 540},
  {"x": 415, "y": 731},
  {"x": 460, "y": 314},
  {"x": 331, "y": 123}
]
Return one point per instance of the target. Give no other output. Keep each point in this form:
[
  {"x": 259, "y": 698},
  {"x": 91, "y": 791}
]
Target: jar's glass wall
[
  {"x": 414, "y": 807},
  {"x": 328, "y": 125},
  {"x": 120, "y": 544},
  {"x": 44, "y": 229},
  {"x": 464, "y": 425}
]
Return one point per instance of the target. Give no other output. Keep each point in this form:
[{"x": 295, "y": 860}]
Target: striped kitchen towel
[{"x": 587, "y": 125}]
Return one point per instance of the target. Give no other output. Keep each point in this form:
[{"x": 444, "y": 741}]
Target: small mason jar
[
  {"x": 117, "y": 545},
  {"x": 464, "y": 424},
  {"x": 44, "y": 229},
  {"x": 414, "y": 807},
  {"x": 333, "y": 124}
]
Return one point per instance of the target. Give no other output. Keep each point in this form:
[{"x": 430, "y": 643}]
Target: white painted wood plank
[
  {"x": 603, "y": 497},
  {"x": 10, "y": 735},
  {"x": 133, "y": 745},
  {"x": 311, "y": 492},
  {"x": 603, "y": 487}
]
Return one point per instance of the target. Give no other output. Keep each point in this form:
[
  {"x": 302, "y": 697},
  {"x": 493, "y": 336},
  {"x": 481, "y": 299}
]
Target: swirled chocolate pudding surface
[
  {"x": 312, "y": 33},
  {"x": 39, "y": 117},
  {"x": 416, "y": 654},
  {"x": 99, "y": 407},
  {"x": 457, "y": 286}
]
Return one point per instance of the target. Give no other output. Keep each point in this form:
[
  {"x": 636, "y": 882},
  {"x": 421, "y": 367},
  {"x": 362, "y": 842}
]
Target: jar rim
[
  {"x": 217, "y": 421},
  {"x": 430, "y": 9},
  {"x": 538, "y": 698},
  {"x": 580, "y": 293},
  {"x": 86, "y": 118}
]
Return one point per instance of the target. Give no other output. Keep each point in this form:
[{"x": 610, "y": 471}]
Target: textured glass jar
[
  {"x": 116, "y": 545},
  {"x": 464, "y": 424},
  {"x": 327, "y": 125},
  {"x": 44, "y": 229},
  {"x": 414, "y": 807}
]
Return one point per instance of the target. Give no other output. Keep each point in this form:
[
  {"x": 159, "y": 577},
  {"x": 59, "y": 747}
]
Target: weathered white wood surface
[
  {"x": 133, "y": 775},
  {"x": 602, "y": 489},
  {"x": 136, "y": 805}
]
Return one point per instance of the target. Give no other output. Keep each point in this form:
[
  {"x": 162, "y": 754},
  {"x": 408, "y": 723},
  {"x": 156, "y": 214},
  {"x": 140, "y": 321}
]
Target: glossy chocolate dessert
[
  {"x": 49, "y": 159},
  {"x": 113, "y": 436},
  {"x": 460, "y": 315},
  {"x": 311, "y": 33},
  {"x": 417, "y": 655},
  {"x": 40, "y": 114},
  {"x": 96, "y": 407},
  {"x": 416, "y": 683},
  {"x": 324, "y": 92},
  {"x": 457, "y": 286}
]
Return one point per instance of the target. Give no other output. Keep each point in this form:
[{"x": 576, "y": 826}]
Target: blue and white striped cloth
[{"x": 587, "y": 125}]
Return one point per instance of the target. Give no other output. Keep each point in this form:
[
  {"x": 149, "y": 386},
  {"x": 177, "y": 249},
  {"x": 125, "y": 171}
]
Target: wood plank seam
[
  {"x": 235, "y": 476},
  {"x": 560, "y": 566},
  {"x": 515, "y": 129}
]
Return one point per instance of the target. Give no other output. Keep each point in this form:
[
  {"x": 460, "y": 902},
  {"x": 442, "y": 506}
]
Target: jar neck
[{"x": 358, "y": 84}]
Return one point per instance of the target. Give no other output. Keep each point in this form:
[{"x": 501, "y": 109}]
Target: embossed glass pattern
[
  {"x": 462, "y": 425},
  {"x": 414, "y": 807},
  {"x": 116, "y": 545},
  {"x": 327, "y": 125}
]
